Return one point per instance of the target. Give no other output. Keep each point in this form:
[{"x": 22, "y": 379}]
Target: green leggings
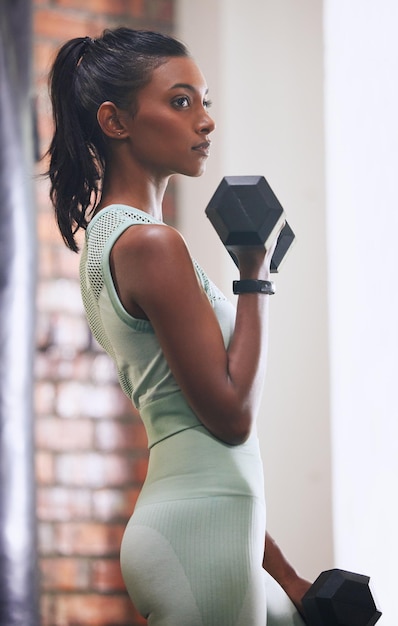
[
  {"x": 184, "y": 565},
  {"x": 192, "y": 552}
]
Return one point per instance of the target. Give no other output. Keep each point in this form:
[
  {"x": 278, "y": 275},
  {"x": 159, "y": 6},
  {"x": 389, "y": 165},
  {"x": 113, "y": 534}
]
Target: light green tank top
[{"x": 132, "y": 343}]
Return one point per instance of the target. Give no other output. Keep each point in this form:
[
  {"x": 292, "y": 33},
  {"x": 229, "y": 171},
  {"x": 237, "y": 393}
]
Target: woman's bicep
[{"x": 164, "y": 285}]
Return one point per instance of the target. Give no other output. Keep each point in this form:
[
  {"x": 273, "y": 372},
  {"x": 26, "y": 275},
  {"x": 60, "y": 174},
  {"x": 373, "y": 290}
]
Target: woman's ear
[{"x": 111, "y": 122}]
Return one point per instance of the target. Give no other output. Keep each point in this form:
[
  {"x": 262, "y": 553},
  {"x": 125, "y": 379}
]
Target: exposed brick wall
[{"x": 91, "y": 455}]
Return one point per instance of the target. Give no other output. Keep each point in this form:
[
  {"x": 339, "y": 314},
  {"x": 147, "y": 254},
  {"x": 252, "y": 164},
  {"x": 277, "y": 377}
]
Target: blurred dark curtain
[{"x": 18, "y": 577}]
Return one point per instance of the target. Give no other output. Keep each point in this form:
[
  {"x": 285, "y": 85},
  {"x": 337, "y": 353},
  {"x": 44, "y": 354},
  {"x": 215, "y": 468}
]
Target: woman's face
[{"x": 169, "y": 132}]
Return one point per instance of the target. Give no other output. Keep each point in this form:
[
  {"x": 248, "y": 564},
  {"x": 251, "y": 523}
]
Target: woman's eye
[
  {"x": 182, "y": 102},
  {"x": 207, "y": 104}
]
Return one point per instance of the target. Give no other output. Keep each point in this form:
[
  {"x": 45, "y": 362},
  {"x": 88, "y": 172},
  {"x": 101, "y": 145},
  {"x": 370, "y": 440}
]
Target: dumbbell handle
[{"x": 285, "y": 240}]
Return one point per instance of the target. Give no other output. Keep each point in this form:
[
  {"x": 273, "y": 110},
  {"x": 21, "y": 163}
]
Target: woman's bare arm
[
  {"x": 155, "y": 277},
  {"x": 276, "y": 564}
]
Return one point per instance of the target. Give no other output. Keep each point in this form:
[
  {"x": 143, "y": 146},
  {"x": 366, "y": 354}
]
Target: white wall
[
  {"x": 263, "y": 63},
  {"x": 274, "y": 67},
  {"x": 361, "y": 68}
]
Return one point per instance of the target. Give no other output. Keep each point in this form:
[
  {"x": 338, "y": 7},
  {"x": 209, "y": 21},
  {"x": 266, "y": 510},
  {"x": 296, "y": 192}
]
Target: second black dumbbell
[
  {"x": 245, "y": 212},
  {"x": 340, "y": 598}
]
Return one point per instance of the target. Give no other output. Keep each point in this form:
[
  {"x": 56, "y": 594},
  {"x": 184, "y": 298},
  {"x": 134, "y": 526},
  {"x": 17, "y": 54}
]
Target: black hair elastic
[
  {"x": 86, "y": 43},
  {"x": 88, "y": 40}
]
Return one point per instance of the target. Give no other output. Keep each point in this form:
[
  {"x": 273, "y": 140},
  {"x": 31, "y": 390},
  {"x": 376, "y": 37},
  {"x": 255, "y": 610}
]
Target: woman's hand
[{"x": 255, "y": 261}]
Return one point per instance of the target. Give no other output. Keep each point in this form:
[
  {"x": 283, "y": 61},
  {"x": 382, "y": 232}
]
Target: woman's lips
[{"x": 203, "y": 148}]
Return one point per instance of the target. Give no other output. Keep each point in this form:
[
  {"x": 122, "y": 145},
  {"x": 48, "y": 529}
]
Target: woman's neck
[{"x": 133, "y": 188}]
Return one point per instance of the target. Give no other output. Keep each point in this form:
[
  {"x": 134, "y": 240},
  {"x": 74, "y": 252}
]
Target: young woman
[{"x": 130, "y": 110}]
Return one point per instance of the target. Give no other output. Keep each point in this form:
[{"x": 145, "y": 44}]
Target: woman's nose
[{"x": 207, "y": 124}]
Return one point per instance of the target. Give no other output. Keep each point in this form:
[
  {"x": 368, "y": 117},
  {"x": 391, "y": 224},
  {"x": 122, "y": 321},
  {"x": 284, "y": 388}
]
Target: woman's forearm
[{"x": 276, "y": 564}]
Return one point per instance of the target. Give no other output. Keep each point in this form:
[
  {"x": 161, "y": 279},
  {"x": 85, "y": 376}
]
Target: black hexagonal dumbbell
[
  {"x": 245, "y": 211},
  {"x": 340, "y": 598}
]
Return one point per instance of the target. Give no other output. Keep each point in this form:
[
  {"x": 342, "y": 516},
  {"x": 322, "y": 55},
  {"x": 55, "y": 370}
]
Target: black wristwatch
[{"x": 254, "y": 286}]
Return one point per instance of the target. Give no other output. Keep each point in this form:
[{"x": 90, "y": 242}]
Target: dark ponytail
[{"x": 85, "y": 73}]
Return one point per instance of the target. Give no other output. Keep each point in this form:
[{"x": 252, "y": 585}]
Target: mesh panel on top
[{"x": 91, "y": 275}]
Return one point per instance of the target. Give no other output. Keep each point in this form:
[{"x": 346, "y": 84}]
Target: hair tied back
[
  {"x": 85, "y": 73},
  {"x": 86, "y": 43}
]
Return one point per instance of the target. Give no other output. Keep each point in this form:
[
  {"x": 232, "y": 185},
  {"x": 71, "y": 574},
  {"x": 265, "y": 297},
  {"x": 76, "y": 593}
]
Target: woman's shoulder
[
  {"x": 114, "y": 214},
  {"x": 151, "y": 242},
  {"x": 127, "y": 228}
]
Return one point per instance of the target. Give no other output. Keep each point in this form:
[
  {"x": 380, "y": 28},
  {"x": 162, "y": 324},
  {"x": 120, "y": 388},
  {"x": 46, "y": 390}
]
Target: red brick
[
  {"x": 43, "y": 337},
  {"x": 91, "y": 609},
  {"x": 76, "y": 379},
  {"x": 161, "y": 10},
  {"x": 135, "y": 8},
  {"x": 113, "y": 504},
  {"x": 96, "y": 470},
  {"x": 47, "y": 602},
  {"x": 67, "y": 262},
  {"x": 46, "y": 226},
  {"x": 55, "y": 260},
  {"x": 106, "y": 575},
  {"x": 60, "y": 295},
  {"x": 76, "y": 400},
  {"x": 45, "y": 468},
  {"x": 60, "y": 26},
  {"x": 58, "y": 434},
  {"x": 44, "y": 396},
  {"x": 51, "y": 364},
  {"x": 45, "y": 135},
  {"x": 70, "y": 332},
  {"x": 46, "y": 538},
  {"x": 88, "y": 538},
  {"x": 115, "y": 435},
  {"x": 61, "y": 504},
  {"x": 140, "y": 469},
  {"x": 46, "y": 263},
  {"x": 105, "y": 7},
  {"x": 40, "y": 366},
  {"x": 103, "y": 370},
  {"x": 64, "y": 574},
  {"x": 83, "y": 366},
  {"x": 42, "y": 187},
  {"x": 140, "y": 438},
  {"x": 43, "y": 57}
]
